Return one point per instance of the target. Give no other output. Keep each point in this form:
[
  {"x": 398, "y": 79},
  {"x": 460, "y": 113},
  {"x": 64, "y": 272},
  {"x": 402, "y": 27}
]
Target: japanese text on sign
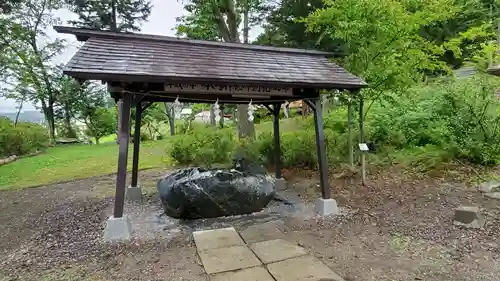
[{"x": 224, "y": 89}]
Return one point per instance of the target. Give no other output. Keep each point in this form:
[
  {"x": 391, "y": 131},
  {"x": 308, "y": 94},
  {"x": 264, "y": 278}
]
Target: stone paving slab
[
  {"x": 217, "y": 238},
  {"x": 262, "y": 232},
  {"x": 247, "y": 274},
  {"x": 303, "y": 268},
  {"x": 227, "y": 259},
  {"x": 276, "y": 250}
]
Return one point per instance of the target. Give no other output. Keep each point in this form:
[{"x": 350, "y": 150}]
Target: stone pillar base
[
  {"x": 117, "y": 229},
  {"x": 134, "y": 193},
  {"x": 280, "y": 184},
  {"x": 325, "y": 207}
]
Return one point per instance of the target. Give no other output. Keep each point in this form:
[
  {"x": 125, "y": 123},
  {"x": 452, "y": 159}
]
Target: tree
[
  {"x": 100, "y": 122},
  {"x": 170, "y": 113},
  {"x": 219, "y": 20},
  {"x": 26, "y": 53},
  {"x": 466, "y": 33},
  {"x": 68, "y": 99},
  {"x": 6, "y": 6},
  {"x": 116, "y": 15},
  {"x": 382, "y": 41},
  {"x": 75, "y": 99},
  {"x": 284, "y": 28}
]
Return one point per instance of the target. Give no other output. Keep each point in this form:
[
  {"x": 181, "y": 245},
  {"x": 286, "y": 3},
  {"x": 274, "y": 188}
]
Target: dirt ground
[{"x": 397, "y": 227}]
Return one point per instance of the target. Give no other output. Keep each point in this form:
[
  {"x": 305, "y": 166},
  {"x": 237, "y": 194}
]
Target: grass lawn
[
  {"x": 82, "y": 161},
  {"x": 76, "y": 162}
]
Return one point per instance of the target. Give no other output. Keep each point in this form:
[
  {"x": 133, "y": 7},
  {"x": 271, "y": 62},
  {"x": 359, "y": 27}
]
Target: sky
[{"x": 162, "y": 21}]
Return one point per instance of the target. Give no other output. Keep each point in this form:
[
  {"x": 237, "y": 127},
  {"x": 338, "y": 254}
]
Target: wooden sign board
[{"x": 225, "y": 89}]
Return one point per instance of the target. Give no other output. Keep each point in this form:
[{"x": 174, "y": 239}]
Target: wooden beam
[
  {"x": 121, "y": 175},
  {"x": 277, "y": 143},
  {"x": 320, "y": 148},
  {"x": 137, "y": 142}
]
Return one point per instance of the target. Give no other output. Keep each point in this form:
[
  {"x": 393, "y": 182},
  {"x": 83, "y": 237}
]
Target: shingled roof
[{"x": 113, "y": 56}]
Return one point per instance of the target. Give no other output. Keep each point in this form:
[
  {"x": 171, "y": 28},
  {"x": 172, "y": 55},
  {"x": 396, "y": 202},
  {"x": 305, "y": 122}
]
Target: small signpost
[{"x": 363, "y": 147}]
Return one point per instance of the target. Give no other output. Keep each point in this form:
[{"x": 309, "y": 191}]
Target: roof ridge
[{"x": 83, "y": 34}]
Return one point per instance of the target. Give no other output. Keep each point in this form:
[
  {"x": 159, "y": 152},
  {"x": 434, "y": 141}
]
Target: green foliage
[
  {"x": 459, "y": 117},
  {"x": 100, "y": 122},
  {"x": 203, "y": 146},
  {"x": 25, "y": 138},
  {"x": 382, "y": 40},
  {"x": 117, "y": 15},
  {"x": 26, "y": 70},
  {"x": 464, "y": 35}
]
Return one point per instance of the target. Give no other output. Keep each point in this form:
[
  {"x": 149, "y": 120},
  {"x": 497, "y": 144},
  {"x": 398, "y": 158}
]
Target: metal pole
[
  {"x": 277, "y": 143},
  {"x": 321, "y": 150},
  {"x": 122, "y": 156},
  {"x": 362, "y": 138},
  {"x": 137, "y": 142}
]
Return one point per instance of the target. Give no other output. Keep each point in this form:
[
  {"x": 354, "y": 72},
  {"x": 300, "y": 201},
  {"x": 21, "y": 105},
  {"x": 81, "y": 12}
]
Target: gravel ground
[{"x": 397, "y": 227}]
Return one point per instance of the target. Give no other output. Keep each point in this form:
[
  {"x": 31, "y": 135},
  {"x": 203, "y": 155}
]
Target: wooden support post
[
  {"x": 277, "y": 143},
  {"x": 362, "y": 138},
  {"x": 320, "y": 147},
  {"x": 123, "y": 137},
  {"x": 119, "y": 105},
  {"x": 137, "y": 142},
  {"x": 349, "y": 127}
]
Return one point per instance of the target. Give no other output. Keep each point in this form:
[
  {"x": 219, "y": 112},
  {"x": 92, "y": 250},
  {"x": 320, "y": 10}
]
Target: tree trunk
[
  {"x": 49, "y": 117},
  {"x": 169, "y": 111},
  {"x": 114, "y": 25},
  {"x": 212, "y": 115},
  {"x": 18, "y": 112},
  {"x": 97, "y": 140},
  {"x": 67, "y": 122},
  {"x": 48, "y": 112},
  {"x": 221, "y": 121},
  {"x": 324, "y": 104},
  {"x": 246, "y": 129}
]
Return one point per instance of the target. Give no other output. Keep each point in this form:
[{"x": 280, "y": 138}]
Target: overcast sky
[{"x": 161, "y": 22}]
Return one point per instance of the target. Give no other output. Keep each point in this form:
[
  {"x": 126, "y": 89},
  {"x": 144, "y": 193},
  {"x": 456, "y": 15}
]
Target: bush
[
  {"x": 23, "y": 139},
  {"x": 459, "y": 117},
  {"x": 423, "y": 127},
  {"x": 203, "y": 146}
]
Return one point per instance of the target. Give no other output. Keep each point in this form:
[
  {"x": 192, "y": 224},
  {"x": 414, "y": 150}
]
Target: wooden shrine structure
[{"x": 140, "y": 69}]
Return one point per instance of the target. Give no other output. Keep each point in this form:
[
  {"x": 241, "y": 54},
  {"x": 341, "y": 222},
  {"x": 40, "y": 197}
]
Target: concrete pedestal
[
  {"x": 134, "y": 193},
  {"x": 117, "y": 229},
  {"x": 280, "y": 184},
  {"x": 325, "y": 207}
]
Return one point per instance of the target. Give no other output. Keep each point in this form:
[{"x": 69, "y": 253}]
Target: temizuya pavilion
[{"x": 140, "y": 69}]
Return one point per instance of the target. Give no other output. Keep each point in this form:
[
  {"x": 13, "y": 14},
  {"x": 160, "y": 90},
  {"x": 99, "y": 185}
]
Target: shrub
[
  {"x": 459, "y": 117},
  {"x": 422, "y": 128},
  {"x": 23, "y": 139},
  {"x": 203, "y": 146}
]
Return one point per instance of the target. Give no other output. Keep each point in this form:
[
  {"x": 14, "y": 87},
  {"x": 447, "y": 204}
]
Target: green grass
[
  {"x": 108, "y": 139},
  {"x": 76, "y": 162},
  {"x": 72, "y": 162}
]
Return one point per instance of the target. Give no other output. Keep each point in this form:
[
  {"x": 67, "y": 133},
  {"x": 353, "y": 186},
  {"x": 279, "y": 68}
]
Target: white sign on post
[
  {"x": 363, "y": 147},
  {"x": 224, "y": 89}
]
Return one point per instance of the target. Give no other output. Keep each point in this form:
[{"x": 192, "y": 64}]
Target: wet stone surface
[
  {"x": 194, "y": 193},
  {"x": 149, "y": 220}
]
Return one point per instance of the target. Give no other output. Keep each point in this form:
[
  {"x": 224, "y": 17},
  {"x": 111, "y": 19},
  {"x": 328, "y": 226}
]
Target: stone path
[{"x": 258, "y": 253}]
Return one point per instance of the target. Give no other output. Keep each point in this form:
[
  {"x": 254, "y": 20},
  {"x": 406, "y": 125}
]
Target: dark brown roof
[{"x": 115, "y": 56}]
